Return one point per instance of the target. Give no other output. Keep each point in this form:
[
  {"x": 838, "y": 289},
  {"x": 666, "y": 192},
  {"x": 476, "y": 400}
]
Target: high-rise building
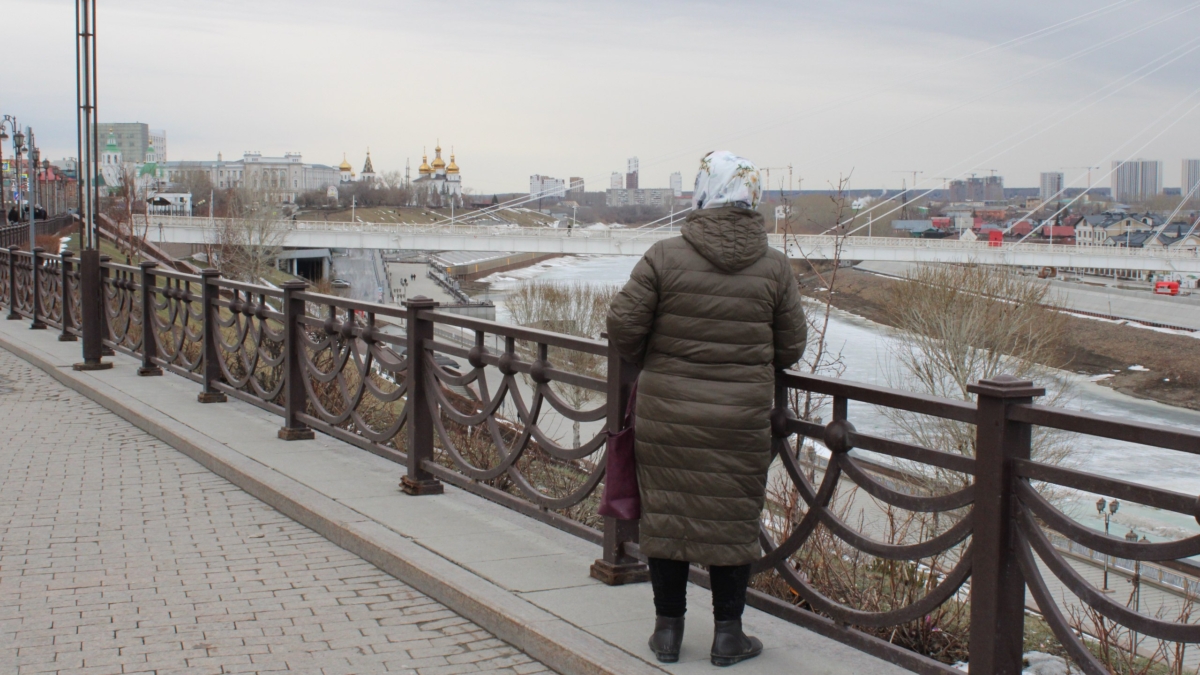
[
  {"x": 1190, "y": 178},
  {"x": 546, "y": 187},
  {"x": 976, "y": 189},
  {"x": 1052, "y": 186},
  {"x": 631, "y": 174},
  {"x": 575, "y": 185},
  {"x": 677, "y": 183},
  {"x": 135, "y": 140},
  {"x": 616, "y": 181},
  {"x": 1136, "y": 180}
]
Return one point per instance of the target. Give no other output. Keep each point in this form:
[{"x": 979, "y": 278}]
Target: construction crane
[
  {"x": 945, "y": 185},
  {"x": 1089, "y": 170}
]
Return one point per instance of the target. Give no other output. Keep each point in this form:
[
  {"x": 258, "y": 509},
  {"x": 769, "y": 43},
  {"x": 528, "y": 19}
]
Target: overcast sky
[{"x": 574, "y": 88}]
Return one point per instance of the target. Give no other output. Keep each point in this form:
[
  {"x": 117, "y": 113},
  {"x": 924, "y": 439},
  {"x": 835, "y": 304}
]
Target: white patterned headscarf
[{"x": 726, "y": 180}]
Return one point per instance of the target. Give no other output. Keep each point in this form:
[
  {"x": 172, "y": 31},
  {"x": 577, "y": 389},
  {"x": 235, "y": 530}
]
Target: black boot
[
  {"x": 667, "y": 637},
  {"x": 731, "y": 645}
]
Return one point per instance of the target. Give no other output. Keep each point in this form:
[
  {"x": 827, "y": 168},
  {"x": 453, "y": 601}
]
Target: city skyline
[{"x": 665, "y": 83}]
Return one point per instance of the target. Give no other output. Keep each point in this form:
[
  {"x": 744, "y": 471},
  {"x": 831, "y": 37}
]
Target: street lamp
[
  {"x": 10, "y": 122},
  {"x": 35, "y": 158},
  {"x": 3, "y": 137},
  {"x": 1106, "y": 510}
]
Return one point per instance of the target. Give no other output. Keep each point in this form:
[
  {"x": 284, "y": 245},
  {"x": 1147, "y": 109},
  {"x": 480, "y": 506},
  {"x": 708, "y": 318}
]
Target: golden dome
[
  {"x": 451, "y": 167},
  {"x": 345, "y": 166},
  {"x": 438, "y": 162},
  {"x": 425, "y": 169}
]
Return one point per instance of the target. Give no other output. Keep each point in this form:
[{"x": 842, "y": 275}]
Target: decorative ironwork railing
[{"x": 482, "y": 406}]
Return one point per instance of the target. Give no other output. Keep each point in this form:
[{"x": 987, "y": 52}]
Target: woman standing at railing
[{"x": 709, "y": 316}]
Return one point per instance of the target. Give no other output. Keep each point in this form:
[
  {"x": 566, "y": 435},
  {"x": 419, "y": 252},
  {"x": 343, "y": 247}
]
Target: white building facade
[
  {"x": 439, "y": 183},
  {"x": 546, "y": 187},
  {"x": 640, "y": 197},
  {"x": 281, "y": 179}
]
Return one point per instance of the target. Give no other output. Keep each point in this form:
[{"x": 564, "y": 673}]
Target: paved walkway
[
  {"x": 525, "y": 582},
  {"x": 119, "y": 554}
]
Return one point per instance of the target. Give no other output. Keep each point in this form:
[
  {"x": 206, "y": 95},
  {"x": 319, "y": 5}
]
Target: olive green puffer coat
[{"x": 710, "y": 316}]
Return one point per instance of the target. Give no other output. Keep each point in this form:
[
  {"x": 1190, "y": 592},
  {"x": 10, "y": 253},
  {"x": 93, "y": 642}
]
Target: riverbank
[{"x": 1139, "y": 361}]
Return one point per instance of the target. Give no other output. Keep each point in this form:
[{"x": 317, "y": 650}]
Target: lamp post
[
  {"x": 1106, "y": 510},
  {"x": 1132, "y": 537},
  {"x": 35, "y": 156},
  {"x": 5, "y": 123},
  {"x": 18, "y": 140}
]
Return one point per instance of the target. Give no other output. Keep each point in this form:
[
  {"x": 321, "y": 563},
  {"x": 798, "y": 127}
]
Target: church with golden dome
[{"x": 438, "y": 181}]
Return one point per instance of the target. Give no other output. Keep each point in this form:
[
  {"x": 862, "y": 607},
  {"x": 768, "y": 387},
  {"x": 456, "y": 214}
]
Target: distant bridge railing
[
  {"x": 636, "y": 240},
  {"x": 345, "y": 368}
]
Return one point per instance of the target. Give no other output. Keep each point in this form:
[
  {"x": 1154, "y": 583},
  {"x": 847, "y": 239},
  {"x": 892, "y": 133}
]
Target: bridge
[
  {"x": 317, "y": 405},
  {"x": 633, "y": 241}
]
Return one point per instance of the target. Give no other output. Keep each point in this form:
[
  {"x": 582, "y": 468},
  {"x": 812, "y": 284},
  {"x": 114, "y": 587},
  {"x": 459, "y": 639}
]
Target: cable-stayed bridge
[{"x": 459, "y": 237}]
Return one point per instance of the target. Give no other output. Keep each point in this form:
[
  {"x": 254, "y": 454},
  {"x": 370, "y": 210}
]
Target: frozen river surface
[{"x": 866, "y": 346}]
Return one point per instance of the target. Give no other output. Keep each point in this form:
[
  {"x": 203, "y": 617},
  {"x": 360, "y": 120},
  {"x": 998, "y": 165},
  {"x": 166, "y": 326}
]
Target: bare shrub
[
  {"x": 956, "y": 325},
  {"x": 575, "y": 309},
  {"x": 1125, "y": 652}
]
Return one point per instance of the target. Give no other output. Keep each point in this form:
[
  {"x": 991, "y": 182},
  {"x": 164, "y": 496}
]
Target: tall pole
[
  {"x": 90, "y": 292},
  {"x": 3, "y": 209},
  {"x": 32, "y": 191}
]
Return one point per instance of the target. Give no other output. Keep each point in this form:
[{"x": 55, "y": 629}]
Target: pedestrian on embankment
[{"x": 710, "y": 317}]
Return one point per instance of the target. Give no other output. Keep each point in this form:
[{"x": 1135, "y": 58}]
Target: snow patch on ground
[
  {"x": 1140, "y": 369},
  {"x": 1135, "y": 324},
  {"x": 506, "y": 280}
]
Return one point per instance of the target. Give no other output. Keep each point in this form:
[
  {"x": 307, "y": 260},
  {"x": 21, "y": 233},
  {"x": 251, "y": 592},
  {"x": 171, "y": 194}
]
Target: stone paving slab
[
  {"x": 118, "y": 554},
  {"x": 544, "y": 604}
]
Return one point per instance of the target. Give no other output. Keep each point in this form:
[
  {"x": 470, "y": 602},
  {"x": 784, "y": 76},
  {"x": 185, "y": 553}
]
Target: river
[{"x": 865, "y": 347}]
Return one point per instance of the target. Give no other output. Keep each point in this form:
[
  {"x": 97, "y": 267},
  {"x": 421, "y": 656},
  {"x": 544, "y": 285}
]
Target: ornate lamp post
[
  {"x": 10, "y": 122},
  {"x": 3, "y": 209},
  {"x": 18, "y": 139},
  {"x": 1106, "y": 510}
]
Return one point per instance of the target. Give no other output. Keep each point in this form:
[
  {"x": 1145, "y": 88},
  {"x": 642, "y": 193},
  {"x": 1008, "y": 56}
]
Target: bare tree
[
  {"x": 571, "y": 308},
  {"x": 246, "y": 245}
]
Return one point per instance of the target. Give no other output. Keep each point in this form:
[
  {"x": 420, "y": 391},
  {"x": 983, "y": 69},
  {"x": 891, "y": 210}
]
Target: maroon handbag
[{"x": 621, "y": 499}]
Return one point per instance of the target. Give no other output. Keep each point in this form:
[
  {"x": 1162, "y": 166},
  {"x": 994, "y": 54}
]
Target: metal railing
[
  {"x": 17, "y": 234},
  {"x": 324, "y": 363}
]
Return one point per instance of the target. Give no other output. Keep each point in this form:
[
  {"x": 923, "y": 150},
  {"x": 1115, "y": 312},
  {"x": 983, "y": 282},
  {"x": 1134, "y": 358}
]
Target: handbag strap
[{"x": 629, "y": 408}]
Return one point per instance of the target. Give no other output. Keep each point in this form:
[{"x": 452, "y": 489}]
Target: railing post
[
  {"x": 617, "y": 566},
  {"x": 209, "y": 292},
  {"x": 36, "y": 323},
  {"x": 91, "y": 311},
  {"x": 418, "y": 481},
  {"x": 102, "y": 292},
  {"x": 293, "y": 368},
  {"x": 997, "y": 585},
  {"x": 149, "y": 341},
  {"x": 64, "y": 270},
  {"x": 12, "y": 284}
]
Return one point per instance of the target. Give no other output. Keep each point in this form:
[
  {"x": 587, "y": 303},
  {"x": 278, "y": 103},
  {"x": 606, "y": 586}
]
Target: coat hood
[{"x": 732, "y": 238}]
